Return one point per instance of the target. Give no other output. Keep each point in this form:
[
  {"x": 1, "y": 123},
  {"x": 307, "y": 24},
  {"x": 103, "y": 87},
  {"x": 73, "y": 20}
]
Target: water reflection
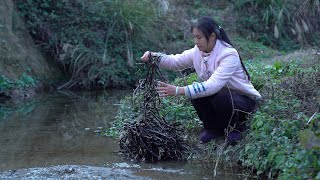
[{"x": 59, "y": 129}]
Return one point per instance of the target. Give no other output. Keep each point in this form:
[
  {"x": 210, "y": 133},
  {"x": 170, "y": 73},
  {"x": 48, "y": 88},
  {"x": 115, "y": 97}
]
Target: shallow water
[{"x": 59, "y": 130}]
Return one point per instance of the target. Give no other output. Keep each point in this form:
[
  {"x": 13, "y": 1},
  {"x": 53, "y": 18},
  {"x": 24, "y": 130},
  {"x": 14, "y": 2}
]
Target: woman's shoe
[
  {"x": 208, "y": 135},
  {"x": 234, "y": 137}
]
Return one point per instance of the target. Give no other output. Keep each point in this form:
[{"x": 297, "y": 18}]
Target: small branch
[{"x": 309, "y": 121}]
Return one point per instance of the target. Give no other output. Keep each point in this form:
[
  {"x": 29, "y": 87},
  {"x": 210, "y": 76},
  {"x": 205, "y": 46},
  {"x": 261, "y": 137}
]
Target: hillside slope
[{"x": 18, "y": 54}]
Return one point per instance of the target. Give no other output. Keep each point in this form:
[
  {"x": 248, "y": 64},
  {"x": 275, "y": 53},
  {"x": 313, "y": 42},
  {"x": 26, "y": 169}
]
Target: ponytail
[{"x": 225, "y": 38}]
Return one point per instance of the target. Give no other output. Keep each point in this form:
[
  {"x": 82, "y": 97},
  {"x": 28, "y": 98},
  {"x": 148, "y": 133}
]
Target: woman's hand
[
  {"x": 165, "y": 89},
  {"x": 145, "y": 57}
]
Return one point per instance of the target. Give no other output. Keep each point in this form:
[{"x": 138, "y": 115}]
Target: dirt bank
[{"x": 19, "y": 55}]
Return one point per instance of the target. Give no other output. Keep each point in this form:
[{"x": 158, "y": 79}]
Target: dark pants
[{"x": 217, "y": 112}]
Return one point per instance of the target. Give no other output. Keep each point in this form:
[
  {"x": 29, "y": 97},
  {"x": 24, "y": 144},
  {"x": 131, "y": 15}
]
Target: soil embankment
[{"x": 19, "y": 55}]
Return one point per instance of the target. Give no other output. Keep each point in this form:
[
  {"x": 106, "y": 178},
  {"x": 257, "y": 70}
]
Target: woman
[{"x": 225, "y": 94}]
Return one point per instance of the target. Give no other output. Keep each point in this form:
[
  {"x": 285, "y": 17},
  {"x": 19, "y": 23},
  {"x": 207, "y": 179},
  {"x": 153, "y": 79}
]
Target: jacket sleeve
[
  {"x": 226, "y": 67},
  {"x": 179, "y": 61}
]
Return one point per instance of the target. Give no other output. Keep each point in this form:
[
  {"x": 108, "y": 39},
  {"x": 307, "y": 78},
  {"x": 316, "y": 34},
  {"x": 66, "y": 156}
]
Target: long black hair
[{"x": 208, "y": 26}]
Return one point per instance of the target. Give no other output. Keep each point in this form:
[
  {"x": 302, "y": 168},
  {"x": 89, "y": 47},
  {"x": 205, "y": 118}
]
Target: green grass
[{"x": 250, "y": 50}]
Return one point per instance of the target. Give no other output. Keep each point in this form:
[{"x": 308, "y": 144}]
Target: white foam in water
[
  {"x": 70, "y": 172},
  {"x": 125, "y": 165},
  {"x": 179, "y": 171}
]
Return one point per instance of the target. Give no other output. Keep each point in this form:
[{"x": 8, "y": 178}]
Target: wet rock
[{"x": 69, "y": 170}]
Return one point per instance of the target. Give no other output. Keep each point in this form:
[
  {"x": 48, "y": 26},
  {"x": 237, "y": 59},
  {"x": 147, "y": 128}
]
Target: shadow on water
[{"x": 59, "y": 131}]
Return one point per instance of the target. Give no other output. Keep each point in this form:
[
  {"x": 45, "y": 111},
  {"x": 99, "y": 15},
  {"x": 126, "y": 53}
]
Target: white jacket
[{"x": 223, "y": 69}]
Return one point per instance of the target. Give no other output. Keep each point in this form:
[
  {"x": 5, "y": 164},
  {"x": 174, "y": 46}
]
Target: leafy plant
[
  {"x": 261, "y": 73},
  {"x": 273, "y": 143},
  {"x": 26, "y": 81},
  {"x": 23, "y": 82},
  {"x": 96, "y": 41},
  {"x": 5, "y": 83}
]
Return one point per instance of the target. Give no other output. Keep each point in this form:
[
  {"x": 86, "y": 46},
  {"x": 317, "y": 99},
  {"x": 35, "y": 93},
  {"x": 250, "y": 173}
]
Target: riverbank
[{"x": 282, "y": 134}]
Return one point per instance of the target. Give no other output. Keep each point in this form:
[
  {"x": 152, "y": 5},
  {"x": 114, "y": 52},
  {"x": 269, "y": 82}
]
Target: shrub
[
  {"x": 273, "y": 143},
  {"x": 95, "y": 41},
  {"x": 280, "y": 23}
]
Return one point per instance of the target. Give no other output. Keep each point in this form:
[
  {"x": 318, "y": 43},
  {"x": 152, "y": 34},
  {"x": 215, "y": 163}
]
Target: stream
[{"x": 56, "y": 136}]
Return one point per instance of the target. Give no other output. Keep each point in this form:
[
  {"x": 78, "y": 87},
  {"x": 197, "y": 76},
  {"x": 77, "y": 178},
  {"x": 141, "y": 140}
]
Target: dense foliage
[
  {"x": 274, "y": 143},
  {"x": 280, "y": 23},
  {"x": 96, "y": 42}
]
